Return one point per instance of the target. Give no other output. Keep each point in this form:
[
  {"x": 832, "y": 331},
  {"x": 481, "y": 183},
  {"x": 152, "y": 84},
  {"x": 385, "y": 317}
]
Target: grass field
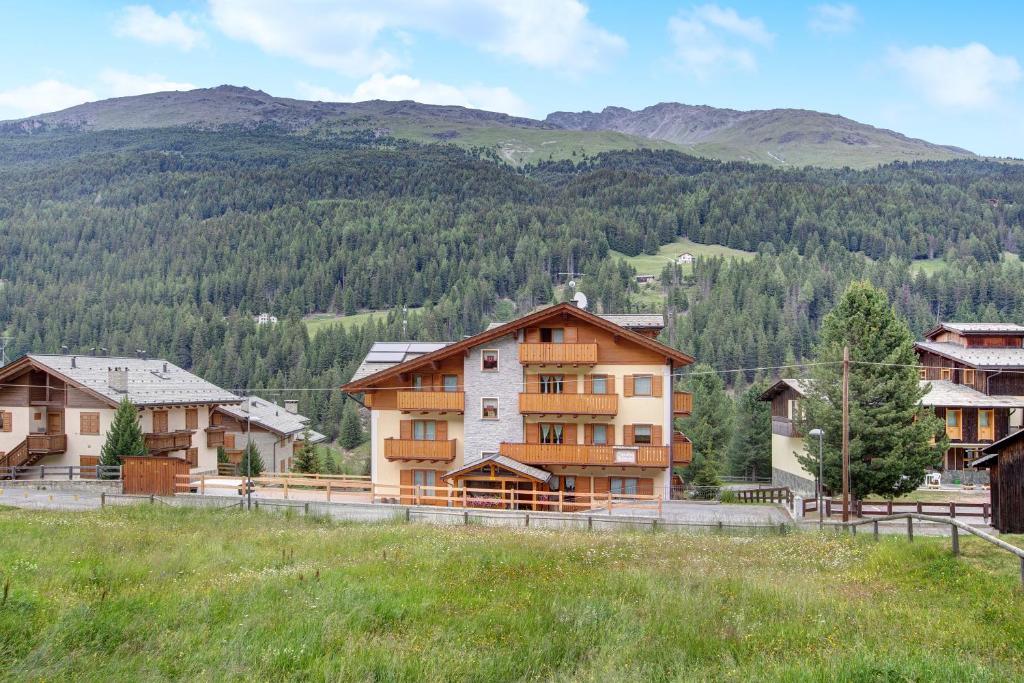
[
  {"x": 318, "y": 321},
  {"x": 652, "y": 264},
  {"x": 162, "y": 594},
  {"x": 934, "y": 265}
]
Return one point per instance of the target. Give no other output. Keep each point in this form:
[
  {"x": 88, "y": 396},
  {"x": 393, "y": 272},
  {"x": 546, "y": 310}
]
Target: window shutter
[
  {"x": 191, "y": 418},
  {"x": 570, "y": 434},
  {"x": 533, "y": 384},
  {"x": 570, "y": 335},
  {"x": 405, "y": 429},
  {"x": 656, "y": 436},
  {"x": 569, "y": 384},
  {"x": 610, "y": 433},
  {"x": 533, "y": 336},
  {"x": 645, "y": 487},
  {"x": 588, "y": 434},
  {"x": 601, "y": 485},
  {"x": 656, "y": 385},
  {"x": 229, "y": 441},
  {"x": 588, "y": 384},
  {"x": 8, "y": 418},
  {"x": 627, "y": 388},
  {"x": 627, "y": 435},
  {"x": 438, "y": 383},
  {"x": 611, "y": 384},
  {"x": 406, "y": 492},
  {"x": 441, "y": 430},
  {"x": 532, "y": 432}
]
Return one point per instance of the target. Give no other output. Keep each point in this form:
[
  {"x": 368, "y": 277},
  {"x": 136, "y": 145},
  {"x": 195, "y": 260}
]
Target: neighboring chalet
[
  {"x": 686, "y": 258},
  {"x": 277, "y": 431},
  {"x": 645, "y": 279},
  {"x": 56, "y": 409},
  {"x": 1005, "y": 462},
  {"x": 560, "y": 400},
  {"x": 975, "y": 375}
]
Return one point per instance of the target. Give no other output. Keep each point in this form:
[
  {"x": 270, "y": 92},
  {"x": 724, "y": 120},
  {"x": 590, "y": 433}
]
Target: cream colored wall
[
  {"x": 783, "y": 458},
  {"x": 20, "y": 419},
  {"x": 386, "y": 424},
  {"x": 83, "y": 444},
  {"x": 660, "y": 476}
]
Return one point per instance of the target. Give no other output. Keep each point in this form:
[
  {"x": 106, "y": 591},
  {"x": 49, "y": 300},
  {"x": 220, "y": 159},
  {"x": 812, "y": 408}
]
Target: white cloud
[
  {"x": 360, "y": 39},
  {"x": 710, "y": 38},
  {"x": 829, "y": 18},
  {"x": 40, "y": 98},
  {"x": 143, "y": 23},
  {"x": 122, "y": 84},
  {"x": 971, "y": 76},
  {"x": 404, "y": 87}
]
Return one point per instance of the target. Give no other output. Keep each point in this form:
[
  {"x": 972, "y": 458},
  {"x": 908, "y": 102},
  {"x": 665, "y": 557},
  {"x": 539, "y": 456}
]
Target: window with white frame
[
  {"x": 599, "y": 384},
  {"x": 600, "y": 435},
  {"x": 643, "y": 385},
  {"x": 642, "y": 434},
  {"x": 489, "y": 360},
  {"x": 489, "y": 408}
]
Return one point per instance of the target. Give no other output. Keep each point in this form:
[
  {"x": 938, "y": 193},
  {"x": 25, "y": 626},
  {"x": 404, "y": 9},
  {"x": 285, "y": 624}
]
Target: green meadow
[{"x": 143, "y": 593}]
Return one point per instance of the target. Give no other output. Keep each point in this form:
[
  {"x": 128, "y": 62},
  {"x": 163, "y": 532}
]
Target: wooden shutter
[
  {"x": 441, "y": 430},
  {"x": 610, "y": 379},
  {"x": 645, "y": 487},
  {"x": 191, "y": 418},
  {"x": 533, "y": 336},
  {"x": 8, "y": 420},
  {"x": 588, "y": 384},
  {"x": 569, "y": 384},
  {"x": 405, "y": 429},
  {"x": 588, "y": 434},
  {"x": 627, "y": 388},
  {"x": 656, "y": 435},
  {"x": 570, "y": 335},
  {"x": 405, "y": 480},
  {"x": 533, "y": 384},
  {"x": 627, "y": 435},
  {"x": 89, "y": 423},
  {"x": 192, "y": 456},
  {"x": 159, "y": 421},
  {"x": 656, "y": 385},
  {"x": 229, "y": 441},
  {"x": 442, "y": 488},
  {"x": 601, "y": 485},
  {"x": 610, "y": 434},
  {"x": 569, "y": 434},
  {"x": 438, "y": 382},
  {"x": 532, "y": 432}
]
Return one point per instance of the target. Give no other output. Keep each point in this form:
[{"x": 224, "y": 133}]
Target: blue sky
[{"x": 949, "y": 72}]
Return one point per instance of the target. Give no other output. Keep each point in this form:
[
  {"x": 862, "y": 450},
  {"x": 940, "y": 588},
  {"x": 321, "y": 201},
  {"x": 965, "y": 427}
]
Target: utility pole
[{"x": 846, "y": 434}]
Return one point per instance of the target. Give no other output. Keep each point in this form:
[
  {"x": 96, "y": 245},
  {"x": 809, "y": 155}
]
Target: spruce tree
[
  {"x": 305, "y": 459},
  {"x": 891, "y": 433},
  {"x": 351, "y": 428},
  {"x": 710, "y": 424},
  {"x": 252, "y": 461},
  {"x": 125, "y": 435},
  {"x": 750, "y": 449}
]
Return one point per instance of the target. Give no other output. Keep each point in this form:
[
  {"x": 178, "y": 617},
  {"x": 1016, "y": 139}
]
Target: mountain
[
  {"x": 773, "y": 136},
  {"x": 781, "y": 137}
]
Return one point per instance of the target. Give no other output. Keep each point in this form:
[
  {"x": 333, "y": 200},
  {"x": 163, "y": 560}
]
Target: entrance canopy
[{"x": 498, "y": 466}]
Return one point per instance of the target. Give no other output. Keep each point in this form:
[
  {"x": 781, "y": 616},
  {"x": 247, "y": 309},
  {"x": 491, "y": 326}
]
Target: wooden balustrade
[
  {"x": 569, "y": 404},
  {"x": 47, "y": 443},
  {"x": 215, "y": 436},
  {"x": 577, "y": 454},
  {"x": 682, "y": 452},
  {"x": 682, "y": 403},
  {"x": 442, "y": 401},
  {"x": 558, "y": 354},
  {"x": 419, "y": 450},
  {"x": 168, "y": 441}
]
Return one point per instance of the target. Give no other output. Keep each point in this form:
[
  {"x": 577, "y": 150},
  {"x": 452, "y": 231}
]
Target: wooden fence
[
  {"x": 778, "y": 494},
  {"x": 875, "y": 508},
  {"x": 152, "y": 475},
  {"x": 61, "y": 472}
]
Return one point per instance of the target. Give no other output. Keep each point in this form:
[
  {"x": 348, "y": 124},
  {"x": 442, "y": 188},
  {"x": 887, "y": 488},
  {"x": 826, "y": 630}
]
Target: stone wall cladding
[
  {"x": 795, "y": 483},
  {"x": 485, "y": 435}
]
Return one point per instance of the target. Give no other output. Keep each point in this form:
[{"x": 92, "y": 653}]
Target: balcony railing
[
  {"x": 558, "y": 354},
  {"x": 419, "y": 450},
  {"x": 575, "y": 454},
  {"x": 47, "y": 443},
  {"x": 682, "y": 403},
  {"x": 569, "y": 404},
  {"x": 442, "y": 401},
  {"x": 158, "y": 442},
  {"x": 682, "y": 452}
]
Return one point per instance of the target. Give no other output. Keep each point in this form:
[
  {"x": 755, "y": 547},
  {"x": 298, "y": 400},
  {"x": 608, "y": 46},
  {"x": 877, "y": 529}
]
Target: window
[
  {"x": 191, "y": 418},
  {"x": 642, "y": 434},
  {"x": 89, "y": 423},
  {"x": 953, "y": 424},
  {"x": 451, "y": 383},
  {"x": 642, "y": 385},
  {"x": 6, "y": 421},
  {"x": 922, "y": 373},
  {"x": 551, "y": 384},
  {"x": 569, "y": 484},
  {"x": 986, "y": 425},
  {"x": 968, "y": 376},
  {"x": 489, "y": 360},
  {"x": 424, "y": 477},
  {"x": 552, "y": 335},
  {"x": 793, "y": 410},
  {"x": 417, "y": 382},
  {"x": 623, "y": 486},
  {"x": 600, "y": 435},
  {"x": 946, "y": 373},
  {"x": 424, "y": 430},
  {"x": 551, "y": 433},
  {"x": 489, "y": 409},
  {"x": 599, "y": 384}
]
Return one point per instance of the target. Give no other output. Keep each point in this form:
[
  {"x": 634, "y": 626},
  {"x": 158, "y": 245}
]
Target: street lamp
[{"x": 820, "y": 434}]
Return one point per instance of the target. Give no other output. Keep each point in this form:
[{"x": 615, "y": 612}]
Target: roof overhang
[
  {"x": 777, "y": 388},
  {"x": 974, "y": 366},
  {"x": 534, "y": 474}
]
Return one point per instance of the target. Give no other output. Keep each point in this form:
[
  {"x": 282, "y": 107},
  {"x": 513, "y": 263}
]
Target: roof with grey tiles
[
  {"x": 270, "y": 415},
  {"x": 978, "y": 357},
  {"x": 634, "y": 321},
  {"x": 981, "y": 328},
  {"x": 946, "y": 393}
]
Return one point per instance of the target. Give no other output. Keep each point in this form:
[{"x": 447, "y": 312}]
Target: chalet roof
[
  {"x": 636, "y": 321},
  {"x": 361, "y": 383},
  {"x": 536, "y": 473},
  {"x": 946, "y": 393},
  {"x": 150, "y": 382},
  {"x": 800, "y": 386},
  {"x": 384, "y": 355},
  {"x": 993, "y": 450},
  {"x": 977, "y": 328},
  {"x": 271, "y": 416},
  {"x": 994, "y": 358}
]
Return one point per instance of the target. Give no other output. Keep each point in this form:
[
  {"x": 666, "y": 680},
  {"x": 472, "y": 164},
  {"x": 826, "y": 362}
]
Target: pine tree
[
  {"x": 710, "y": 423},
  {"x": 305, "y": 459},
  {"x": 125, "y": 435},
  {"x": 222, "y": 455},
  {"x": 252, "y": 461},
  {"x": 890, "y": 432},
  {"x": 706, "y": 471},
  {"x": 750, "y": 449},
  {"x": 351, "y": 428}
]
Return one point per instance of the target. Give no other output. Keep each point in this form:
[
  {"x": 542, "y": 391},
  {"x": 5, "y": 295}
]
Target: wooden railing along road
[
  {"x": 876, "y": 508},
  {"x": 568, "y": 404},
  {"x": 575, "y": 454},
  {"x": 558, "y": 354}
]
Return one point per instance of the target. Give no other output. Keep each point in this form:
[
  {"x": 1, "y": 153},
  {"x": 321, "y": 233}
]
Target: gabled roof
[
  {"x": 976, "y": 328},
  {"x": 149, "y": 382},
  {"x": 993, "y": 450},
  {"x": 947, "y": 394},
  {"x": 636, "y": 321},
  {"x": 535, "y": 473},
  {"x": 269, "y": 415},
  {"x": 983, "y": 357},
  {"x": 569, "y": 309},
  {"x": 800, "y": 386}
]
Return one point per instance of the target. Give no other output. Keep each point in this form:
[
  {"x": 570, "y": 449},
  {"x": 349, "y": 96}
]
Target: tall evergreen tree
[
  {"x": 125, "y": 435},
  {"x": 891, "y": 433},
  {"x": 710, "y": 423},
  {"x": 750, "y": 448},
  {"x": 305, "y": 459},
  {"x": 351, "y": 428}
]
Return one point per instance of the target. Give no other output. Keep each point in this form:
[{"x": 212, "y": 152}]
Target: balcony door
[
  {"x": 160, "y": 421},
  {"x": 54, "y": 423}
]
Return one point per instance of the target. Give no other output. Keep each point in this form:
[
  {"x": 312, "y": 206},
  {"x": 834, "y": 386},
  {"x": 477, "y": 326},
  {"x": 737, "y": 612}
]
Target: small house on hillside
[
  {"x": 1005, "y": 462},
  {"x": 685, "y": 258},
  {"x": 644, "y": 279}
]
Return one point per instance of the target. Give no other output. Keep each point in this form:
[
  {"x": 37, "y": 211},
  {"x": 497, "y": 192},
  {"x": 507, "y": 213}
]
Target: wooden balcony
[
  {"x": 682, "y": 403},
  {"x": 558, "y": 354},
  {"x": 47, "y": 443},
  {"x": 682, "y": 451},
  {"x": 568, "y": 404},
  {"x": 215, "y": 436},
  {"x": 418, "y": 450},
  {"x": 163, "y": 442},
  {"x": 574, "y": 454},
  {"x": 432, "y": 401}
]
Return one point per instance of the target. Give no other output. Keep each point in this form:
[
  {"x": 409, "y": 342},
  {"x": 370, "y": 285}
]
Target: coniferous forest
[{"x": 171, "y": 240}]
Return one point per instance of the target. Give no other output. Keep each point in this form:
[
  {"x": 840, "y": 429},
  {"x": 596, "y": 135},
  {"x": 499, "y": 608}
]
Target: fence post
[
  {"x": 984, "y": 512},
  {"x": 527, "y": 519},
  {"x": 202, "y": 484},
  {"x": 654, "y": 525},
  {"x": 875, "y": 525},
  {"x": 103, "y": 499},
  {"x": 853, "y": 529},
  {"x": 328, "y": 490},
  {"x": 305, "y": 509},
  {"x": 952, "y": 510},
  {"x": 286, "y": 488},
  {"x": 561, "y": 500},
  {"x": 659, "y": 505},
  {"x": 910, "y": 528},
  {"x": 71, "y": 471},
  {"x": 152, "y": 499},
  {"x": 956, "y": 538},
  {"x": 828, "y": 507}
]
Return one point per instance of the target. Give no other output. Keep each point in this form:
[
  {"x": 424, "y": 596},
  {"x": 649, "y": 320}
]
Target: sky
[{"x": 948, "y": 72}]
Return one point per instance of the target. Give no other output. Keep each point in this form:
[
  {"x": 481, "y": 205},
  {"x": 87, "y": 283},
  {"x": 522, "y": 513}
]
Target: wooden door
[
  {"x": 159, "y": 421},
  {"x": 54, "y": 423}
]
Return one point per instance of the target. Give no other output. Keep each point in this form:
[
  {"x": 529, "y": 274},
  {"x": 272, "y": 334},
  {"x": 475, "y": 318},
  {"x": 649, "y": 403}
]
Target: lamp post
[{"x": 820, "y": 434}]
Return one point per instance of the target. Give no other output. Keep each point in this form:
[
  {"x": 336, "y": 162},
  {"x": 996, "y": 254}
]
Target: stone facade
[
  {"x": 795, "y": 483},
  {"x": 484, "y": 435}
]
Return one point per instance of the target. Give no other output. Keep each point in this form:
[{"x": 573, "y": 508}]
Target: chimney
[
  {"x": 74, "y": 362},
  {"x": 165, "y": 366},
  {"x": 291, "y": 406},
  {"x": 117, "y": 378}
]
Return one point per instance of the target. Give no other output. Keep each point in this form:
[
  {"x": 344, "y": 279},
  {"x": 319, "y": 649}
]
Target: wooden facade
[{"x": 1006, "y": 475}]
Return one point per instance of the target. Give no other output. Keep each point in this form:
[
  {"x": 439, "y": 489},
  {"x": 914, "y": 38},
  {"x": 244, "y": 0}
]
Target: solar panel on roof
[
  {"x": 425, "y": 347},
  {"x": 385, "y": 357}
]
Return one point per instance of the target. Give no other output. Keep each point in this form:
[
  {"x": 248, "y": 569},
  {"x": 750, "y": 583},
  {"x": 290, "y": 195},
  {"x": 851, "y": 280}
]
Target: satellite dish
[
  {"x": 572, "y": 284},
  {"x": 581, "y": 299}
]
